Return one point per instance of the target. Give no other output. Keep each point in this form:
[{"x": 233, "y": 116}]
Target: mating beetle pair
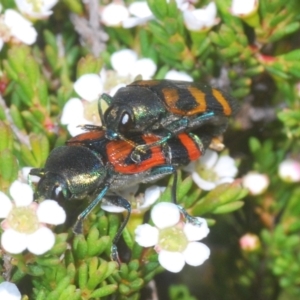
[{"x": 146, "y": 134}]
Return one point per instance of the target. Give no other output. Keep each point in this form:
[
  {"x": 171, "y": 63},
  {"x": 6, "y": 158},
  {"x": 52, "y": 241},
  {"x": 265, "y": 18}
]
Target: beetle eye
[
  {"x": 57, "y": 190},
  {"x": 126, "y": 122},
  {"x": 125, "y": 119}
]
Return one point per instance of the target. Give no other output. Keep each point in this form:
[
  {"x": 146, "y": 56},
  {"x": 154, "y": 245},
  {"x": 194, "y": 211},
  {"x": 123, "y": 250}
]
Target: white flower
[
  {"x": 73, "y": 116},
  {"x": 83, "y": 111},
  {"x": 210, "y": 171},
  {"x": 9, "y": 291},
  {"x": 183, "y": 4},
  {"x": 139, "y": 203},
  {"x": 24, "y": 221},
  {"x": 89, "y": 87},
  {"x": 256, "y": 183},
  {"x": 243, "y": 7},
  {"x": 289, "y": 170},
  {"x": 114, "y": 14},
  {"x": 173, "y": 240},
  {"x": 176, "y": 75},
  {"x": 141, "y": 14},
  {"x": 16, "y": 28},
  {"x": 126, "y": 63},
  {"x": 201, "y": 19},
  {"x": 37, "y": 9}
]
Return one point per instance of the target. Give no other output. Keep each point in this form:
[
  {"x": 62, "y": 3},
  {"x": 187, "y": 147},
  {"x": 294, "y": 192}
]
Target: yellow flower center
[
  {"x": 36, "y": 5},
  {"x": 172, "y": 239},
  {"x": 206, "y": 174},
  {"x": 23, "y": 219}
]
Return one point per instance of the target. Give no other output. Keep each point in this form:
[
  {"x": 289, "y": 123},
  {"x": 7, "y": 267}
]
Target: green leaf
[
  {"x": 254, "y": 144},
  {"x": 159, "y": 8},
  {"x": 80, "y": 246},
  {"x": 228, "y": 208},
  {"x": 104, "y": 291},
  {"x": 83, "y": 275}
]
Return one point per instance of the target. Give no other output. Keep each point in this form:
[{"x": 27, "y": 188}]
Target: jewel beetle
[
  {"x": 169, "y": 106},
  {"x": 90, "y": 165}
]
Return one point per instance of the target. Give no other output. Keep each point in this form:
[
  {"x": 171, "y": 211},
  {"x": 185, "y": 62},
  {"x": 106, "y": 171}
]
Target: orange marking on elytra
[
  {"x": 222, "y": 100},
  {"x": 190, "y": 145}
]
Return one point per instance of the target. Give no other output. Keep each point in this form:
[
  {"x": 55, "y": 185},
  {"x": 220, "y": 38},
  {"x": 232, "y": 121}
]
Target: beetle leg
[
  {"x": 90, "y": 127},
  {"x": 172, "y": 170},
  {"x": 135, "y": 155},
  {"x": 171, "y": 130},
  {"x": 166, "y": 170},
  {"x": 190, "y": 219},
  {"x": 103, "y": 103},
  {"x": 77, "y": 228},
  {"x": 121, "y": 202}
]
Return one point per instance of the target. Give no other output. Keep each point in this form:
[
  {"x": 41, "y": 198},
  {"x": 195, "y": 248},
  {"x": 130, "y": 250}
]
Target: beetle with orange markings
[
  {"x": 167, "y": 108},
  {"x": 91, "y": 165}
]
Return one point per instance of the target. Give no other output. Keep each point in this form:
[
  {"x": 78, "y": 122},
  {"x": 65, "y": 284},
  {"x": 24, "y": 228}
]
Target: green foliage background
[{"x": 257, "y": 60}]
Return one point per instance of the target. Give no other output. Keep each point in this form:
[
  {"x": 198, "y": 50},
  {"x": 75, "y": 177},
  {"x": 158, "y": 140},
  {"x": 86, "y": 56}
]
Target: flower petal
[
  {"x": 20, "y": 28},
  {"x": 30, "y": 9},
  {"x": 224, "y": 180},
  {"x": 196, "y": 253},
  {"x": 51, "y": 213},
  {"x": 109, "y": 207},
  {"x": 9, "y": 291},
  {"x": 165, "y": 214},
  {"x": 243, "y": 7},
  {"x": 225, "y": 167},
  {"x": 191, "y": 167},
  {"x": 5, "y": 205},
  {"x": 72, "y": 111},
  {"x": 144, "y": 67},
  {"x": 256, "y": 183},
  {"x": 22, "y": 193},
  {"x": 151, "y": 195},
  {"x": 13, "y": 242},
  {"x": 40, "y": 241},
  {"x": 146, "y": 235},
  {"x": 123, "y": 60},
  {"x": 89, "y": 87},
  {"x": 289, "y": 170},
  {"x": 176, "y": 75},
  {"x": 114, "y": 14},
  {"x": 194, "y": 232},
  {"x": 171, "y": 261},
  {"x": 1, "y": 44},
  {"x": 140, "y": 9},
  {"x": 209, "y": 159},
  {"x": 200, "y": 19}
]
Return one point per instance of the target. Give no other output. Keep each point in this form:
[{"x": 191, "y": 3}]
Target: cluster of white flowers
[
  {"x": 139, "y": 13},
  {"x": 257, "y": 184},
  {"x": 195, "y": 19},
  {"x": 15, "y": 28}
]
